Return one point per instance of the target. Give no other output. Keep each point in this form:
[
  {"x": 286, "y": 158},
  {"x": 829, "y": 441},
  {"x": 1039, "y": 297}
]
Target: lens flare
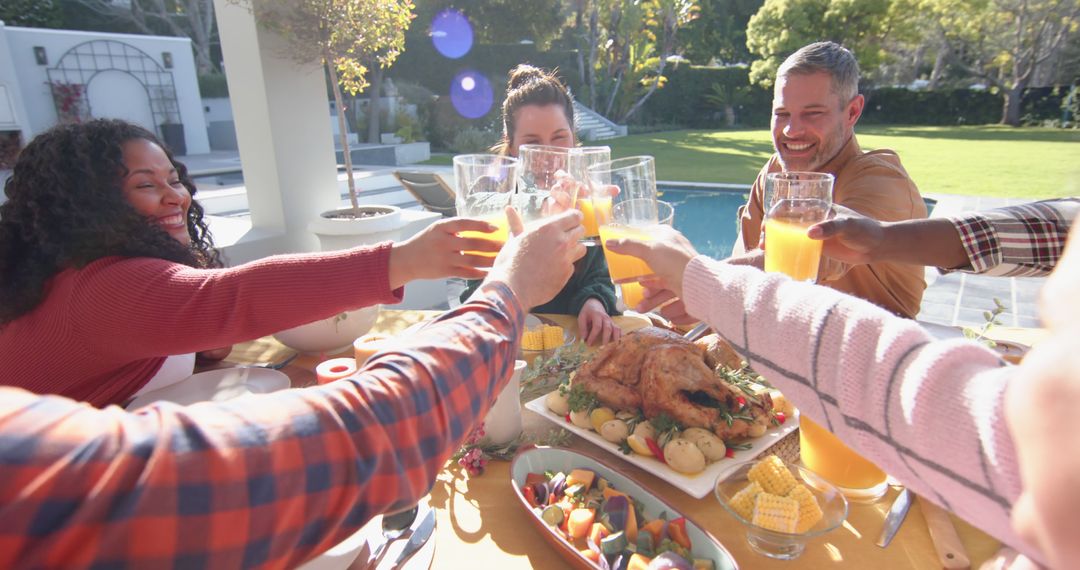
[
  {"x": 451, "y": 33},
  {"x": 471, "y": 94}
]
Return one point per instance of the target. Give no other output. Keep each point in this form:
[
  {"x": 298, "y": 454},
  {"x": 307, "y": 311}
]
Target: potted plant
[{"x": 346, "y": 37}]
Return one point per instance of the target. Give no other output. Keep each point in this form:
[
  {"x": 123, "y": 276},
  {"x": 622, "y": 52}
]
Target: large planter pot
[
  {"x": 332, "y": 335},
  {"x": 336, "y": 230}
]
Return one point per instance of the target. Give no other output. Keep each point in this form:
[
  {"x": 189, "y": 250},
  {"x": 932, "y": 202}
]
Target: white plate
[
  {"x": 216, "y": 386},
  {"x": 697, "y": 485}
]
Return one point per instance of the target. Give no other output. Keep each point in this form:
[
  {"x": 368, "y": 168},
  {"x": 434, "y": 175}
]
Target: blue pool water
[{"x": 707, "y": 217}]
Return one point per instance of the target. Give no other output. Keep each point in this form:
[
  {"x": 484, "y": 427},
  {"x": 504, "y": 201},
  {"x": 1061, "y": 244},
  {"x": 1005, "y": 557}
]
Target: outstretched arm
[{"x": 266, "y": 480}]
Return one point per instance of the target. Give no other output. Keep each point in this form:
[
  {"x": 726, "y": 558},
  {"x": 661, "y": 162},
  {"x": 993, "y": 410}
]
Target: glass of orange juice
[
  {"x": 630, "y": 184},
  {"x": 484, "y": 185},
  {"x": 632, "y": 293},
  {"x": 794, "y": 202}
]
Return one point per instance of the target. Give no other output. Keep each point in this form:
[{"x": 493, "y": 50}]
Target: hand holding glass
[{"x": 485, "y": 185}]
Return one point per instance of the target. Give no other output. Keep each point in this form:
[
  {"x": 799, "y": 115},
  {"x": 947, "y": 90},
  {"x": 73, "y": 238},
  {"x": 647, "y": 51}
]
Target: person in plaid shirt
[
  {"x": 271, "y": 480},
  {"x": 1025, "y": 240}
]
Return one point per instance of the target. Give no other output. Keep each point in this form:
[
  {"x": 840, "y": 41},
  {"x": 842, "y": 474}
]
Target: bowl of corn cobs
[
  {"x": 782, "y": 505},
  {"x": 542, "y": 338}
]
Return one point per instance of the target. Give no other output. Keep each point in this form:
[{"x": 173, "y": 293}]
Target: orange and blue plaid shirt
[
  {"x": 267, "y": 481},
  {"x": 1025, "y": 240}
]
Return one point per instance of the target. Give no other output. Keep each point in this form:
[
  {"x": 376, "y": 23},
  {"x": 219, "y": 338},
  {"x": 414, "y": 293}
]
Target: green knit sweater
[{"x": 590, "y": 280}]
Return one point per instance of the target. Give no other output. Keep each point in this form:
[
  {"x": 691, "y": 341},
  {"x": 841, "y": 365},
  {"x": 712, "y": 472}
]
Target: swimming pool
[{"x": 708, "y": 217}]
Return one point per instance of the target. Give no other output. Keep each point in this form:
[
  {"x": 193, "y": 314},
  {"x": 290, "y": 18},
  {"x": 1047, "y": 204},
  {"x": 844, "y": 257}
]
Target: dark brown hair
[
  {"x": 65, "y": 208},
  {"x": 530, "y": 85}
]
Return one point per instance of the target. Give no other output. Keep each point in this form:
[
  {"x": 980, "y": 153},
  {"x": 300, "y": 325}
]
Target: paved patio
[
  {"x": 960, "y": 299},
  {"x": 955, "y": 299}
]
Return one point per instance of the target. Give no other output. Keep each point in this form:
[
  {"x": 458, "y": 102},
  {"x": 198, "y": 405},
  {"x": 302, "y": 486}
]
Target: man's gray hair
[{"x": 830, "y": 57}]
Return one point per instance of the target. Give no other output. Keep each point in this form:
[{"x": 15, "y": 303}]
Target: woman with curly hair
[
  {"x": 111, "y": 282},
  {"x": 538, "y": 110}
]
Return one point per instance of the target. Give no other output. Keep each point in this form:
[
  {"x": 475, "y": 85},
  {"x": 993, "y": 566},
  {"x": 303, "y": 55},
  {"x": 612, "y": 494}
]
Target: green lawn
[{"x": 985, "y": 160}]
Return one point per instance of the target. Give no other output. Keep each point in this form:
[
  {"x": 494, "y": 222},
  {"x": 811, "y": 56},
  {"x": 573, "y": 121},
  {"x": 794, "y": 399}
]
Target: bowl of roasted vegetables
[
  {"x": 598, "y": 518},
  {"x": 782, "y": 505}
]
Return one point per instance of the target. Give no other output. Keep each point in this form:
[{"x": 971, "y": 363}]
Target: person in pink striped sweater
[
  {"x": 111, "y": 283},
  {"x": 986, "y": 440}
]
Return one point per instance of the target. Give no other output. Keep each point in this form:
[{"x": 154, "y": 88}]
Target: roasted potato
[
  {"x": 711, "y": 446},
  {"x": 683, "y": 456}
]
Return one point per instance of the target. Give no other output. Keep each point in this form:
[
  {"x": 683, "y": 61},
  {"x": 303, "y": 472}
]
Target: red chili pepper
[
  {"x": 730, "y": 453},
  {"x": 568, "y": 418},
  {"x": 780, "y": 417},
  {"x": 655, "y": 449},
  {"x": 741, "y": 401}
]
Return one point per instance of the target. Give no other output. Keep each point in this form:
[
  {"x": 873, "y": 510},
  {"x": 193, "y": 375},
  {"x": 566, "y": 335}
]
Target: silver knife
[
  {"x": 896, "y": 516},
  {"x": 419, "y": 537}
]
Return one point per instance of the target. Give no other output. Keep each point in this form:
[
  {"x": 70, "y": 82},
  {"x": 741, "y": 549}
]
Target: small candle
[
  {"x": 366, "y": 346},
  {"x": 335, "y": 369}
]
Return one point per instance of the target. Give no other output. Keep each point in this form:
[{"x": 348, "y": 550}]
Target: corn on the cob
[
  {"x": 553, "y": 336},
  {"x": 809, "y": 509},
  {"x": 774, "y": 512},
  {"x": 532, "y": 340},
  {"x": 743, "y": 501},
  {"x": 772, "y": 475}
]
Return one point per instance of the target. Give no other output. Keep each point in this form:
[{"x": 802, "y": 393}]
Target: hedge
[{"x": 683, "y": 100}]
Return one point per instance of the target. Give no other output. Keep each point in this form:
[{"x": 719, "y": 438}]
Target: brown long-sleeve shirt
[{"x": 874, "y": 184}]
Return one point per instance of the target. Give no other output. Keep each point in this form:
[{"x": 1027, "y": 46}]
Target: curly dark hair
[{"x": 65, "y": 208}]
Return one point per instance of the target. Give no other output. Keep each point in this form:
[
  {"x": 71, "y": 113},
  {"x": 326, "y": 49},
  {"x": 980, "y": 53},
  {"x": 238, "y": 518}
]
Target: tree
[
  {"x": 341, "y": 35},
  {"x": 182, "y": 18},
  {"x": 503, "y": 21},
  {"x": 781, "y": 27},
  {"x": 30, "y": 13},
  {"x": 720, "y": 31},
  {"x": 630, "y": 43},
  {"x": 1004, "y": 42}
]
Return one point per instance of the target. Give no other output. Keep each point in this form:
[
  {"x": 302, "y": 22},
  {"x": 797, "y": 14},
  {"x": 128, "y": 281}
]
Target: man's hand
[
  {"x": 537, "y": 264},
  {"x": 594, "y": 324},
  {"x": 849, "y": 237},
  {"x": 438, "y": 251},
  {"x": 667, "y": 255}
]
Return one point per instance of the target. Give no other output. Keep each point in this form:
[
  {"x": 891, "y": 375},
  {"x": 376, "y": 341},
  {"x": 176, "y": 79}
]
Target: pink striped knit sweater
[
  {"x": 103, "y": 331},
  {"x": 929, "y": 413}
]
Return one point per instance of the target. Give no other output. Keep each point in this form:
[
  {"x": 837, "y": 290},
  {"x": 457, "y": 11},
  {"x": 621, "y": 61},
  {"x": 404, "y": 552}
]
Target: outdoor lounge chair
[{"x": 430, "y": 189}]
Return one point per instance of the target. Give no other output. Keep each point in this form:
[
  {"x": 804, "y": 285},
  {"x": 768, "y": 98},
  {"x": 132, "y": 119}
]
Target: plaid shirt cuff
[{"x": 1017, "y": 241}]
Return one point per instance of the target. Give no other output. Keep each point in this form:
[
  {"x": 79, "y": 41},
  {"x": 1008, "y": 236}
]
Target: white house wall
[
  {"x": 9, "y": 84},
  {"x": 110, "y": 93}
]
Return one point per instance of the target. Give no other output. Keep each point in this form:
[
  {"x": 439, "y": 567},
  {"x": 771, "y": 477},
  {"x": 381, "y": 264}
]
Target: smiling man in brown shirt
[{"x": 815, "y": 107}]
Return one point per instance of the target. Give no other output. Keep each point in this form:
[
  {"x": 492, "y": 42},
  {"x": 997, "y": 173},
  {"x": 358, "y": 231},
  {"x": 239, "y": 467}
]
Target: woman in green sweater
[{"x": 538, "y": 110}]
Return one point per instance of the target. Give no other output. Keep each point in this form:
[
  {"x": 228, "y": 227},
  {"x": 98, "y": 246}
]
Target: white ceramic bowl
[{"x": 330, "y": 335}]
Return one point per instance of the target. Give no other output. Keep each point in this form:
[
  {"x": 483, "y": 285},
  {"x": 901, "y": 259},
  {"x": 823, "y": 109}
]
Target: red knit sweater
[{"x": 103, "y": 331}]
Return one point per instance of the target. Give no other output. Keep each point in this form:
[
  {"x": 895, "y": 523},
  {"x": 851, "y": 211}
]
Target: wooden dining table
[{"x": 482, "y": 525}]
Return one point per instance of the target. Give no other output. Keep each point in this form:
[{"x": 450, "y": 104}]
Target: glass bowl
[{"x": 782, "y": 545}]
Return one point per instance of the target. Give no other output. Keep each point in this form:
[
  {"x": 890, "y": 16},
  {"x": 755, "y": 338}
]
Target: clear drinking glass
[
  {"x": 485, "y": 184},
  {"x": 631, "y": 293},
  {"x": 794, "y": 202},
  {"x": 553, "y": 180},
  {"x": 630, "y": 183}
]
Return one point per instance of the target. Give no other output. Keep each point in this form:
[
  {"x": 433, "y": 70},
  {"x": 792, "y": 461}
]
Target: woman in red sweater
[{"x": 110, "y": 279}]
